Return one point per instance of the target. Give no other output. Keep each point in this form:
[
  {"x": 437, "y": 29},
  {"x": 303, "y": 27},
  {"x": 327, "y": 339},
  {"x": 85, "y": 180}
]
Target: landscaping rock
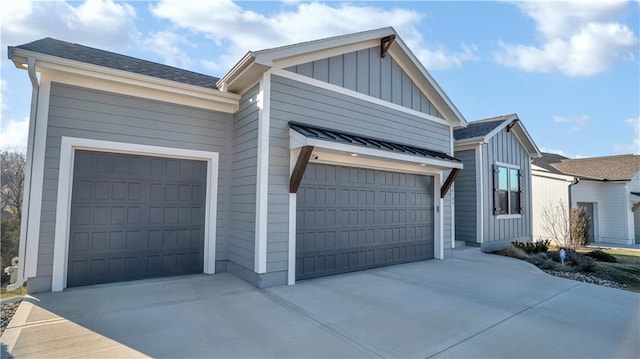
[
  {"x": 8, "y": 310},
  {"x": 587, "y": 278}
]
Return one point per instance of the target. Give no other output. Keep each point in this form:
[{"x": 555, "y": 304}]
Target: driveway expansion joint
[
  {"x": 377, "y": 352},
  {"x": 506, "y": 319}
]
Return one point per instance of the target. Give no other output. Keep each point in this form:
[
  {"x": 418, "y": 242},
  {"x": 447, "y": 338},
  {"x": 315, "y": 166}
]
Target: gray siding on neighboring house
[
  {"x": 366, "y": 72},
  {"x": 504, "y": 147},
  {"x": 466, "y": 198},
  {"x": 241, "y": 242},
  {"x": 295, "y": 101},
  {"x": 86, "y": 113}
]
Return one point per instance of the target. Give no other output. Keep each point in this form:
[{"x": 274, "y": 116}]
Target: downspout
[{"x": 22, "y": 247}]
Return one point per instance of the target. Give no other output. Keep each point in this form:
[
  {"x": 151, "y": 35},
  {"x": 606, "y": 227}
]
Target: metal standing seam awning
[{"x": 416, "y": 154}]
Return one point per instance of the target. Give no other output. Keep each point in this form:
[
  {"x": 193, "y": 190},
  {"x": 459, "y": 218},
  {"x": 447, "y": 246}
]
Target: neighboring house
[
  {"x": 493, "y": 191},
  {"x": 609, "y": 189},
  {"x": 306, "y": 160},
  {"x": 550, "y": 193}
]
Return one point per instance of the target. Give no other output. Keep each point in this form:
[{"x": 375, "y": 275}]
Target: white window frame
[
  {"x": 509, "y": 215},
  {"x": 68, "y": 146}
]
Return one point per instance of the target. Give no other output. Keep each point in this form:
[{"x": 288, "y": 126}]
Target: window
[{"x": 507, "y": 197}]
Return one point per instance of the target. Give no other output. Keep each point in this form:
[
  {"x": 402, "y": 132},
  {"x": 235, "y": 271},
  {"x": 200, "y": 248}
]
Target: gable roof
[
  {"x": 255, "y": 63},
  {"x": 480, "y": 128},
  {"x": 482, "y": 131},
  {"x": 90, "y": 55},
  {"x": 608, "y": 168},
  {"x": 547, "y": 160}
]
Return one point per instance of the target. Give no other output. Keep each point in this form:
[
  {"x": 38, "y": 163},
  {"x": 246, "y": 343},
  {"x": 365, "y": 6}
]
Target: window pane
[
  {"x": 515, "y": 202},
  {"x": 502, "y": 180},
  {"x": 504, "y": 202},
  {"x": 514, "y": 183}
]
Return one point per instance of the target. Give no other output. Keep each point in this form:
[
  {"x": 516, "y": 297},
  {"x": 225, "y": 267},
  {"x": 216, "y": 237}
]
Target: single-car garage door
[
  {"x": 351, "y": 219},
  {"x": 135, "y": 217}
]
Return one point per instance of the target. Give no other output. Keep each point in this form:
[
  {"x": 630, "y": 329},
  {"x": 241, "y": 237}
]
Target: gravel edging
[
  {"x": 7, "y": 312},
  {"x": 586, "y": 278}
]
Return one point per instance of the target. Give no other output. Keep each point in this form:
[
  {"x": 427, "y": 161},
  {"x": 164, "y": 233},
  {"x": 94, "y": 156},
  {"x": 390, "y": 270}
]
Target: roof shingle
[
  {"x": 479, "y": 128},
  {"x": 608, "y": 168},
  {"x": 76, "y": 52},
  {"x": 546, "y": 161}
]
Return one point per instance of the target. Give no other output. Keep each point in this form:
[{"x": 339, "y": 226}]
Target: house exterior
[
  {"x": 493, "y": 191},
  {"x": 549, "y": 192},
  {"x": 302, "y": 161},
  {"x": 609, "y": 189}
]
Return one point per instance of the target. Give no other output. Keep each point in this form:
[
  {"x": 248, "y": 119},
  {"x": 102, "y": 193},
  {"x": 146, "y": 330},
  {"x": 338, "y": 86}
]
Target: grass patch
[
  {"x": 4, "y": 294},
  {"x": 625, "y": 271}
]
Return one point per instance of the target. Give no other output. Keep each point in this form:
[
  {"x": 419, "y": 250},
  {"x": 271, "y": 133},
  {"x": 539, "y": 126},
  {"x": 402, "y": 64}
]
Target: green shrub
[
  {"x": 536, "y": 247},
  {"x": 602, "y": 256}
]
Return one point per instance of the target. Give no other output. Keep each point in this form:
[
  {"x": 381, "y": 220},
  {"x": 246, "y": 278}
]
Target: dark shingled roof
[
  {"x": 479, "y": 128},
  {"x": 67, "y": 50},
  {"x": 546, "y": 161},
  {"x": 609, "y": 168},
  {"x": 358, "y": 140}
]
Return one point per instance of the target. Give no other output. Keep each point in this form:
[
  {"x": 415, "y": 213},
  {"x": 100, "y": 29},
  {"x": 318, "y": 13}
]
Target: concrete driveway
[{"x": 473, "y": 305}]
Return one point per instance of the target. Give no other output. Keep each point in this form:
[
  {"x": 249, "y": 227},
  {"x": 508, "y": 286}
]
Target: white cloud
[
  {"x": 634, "y": 146},
  {"x": 101, "y": 23},
  {"x": 167, "y": 45},
  {"x": 13, "y": 134},
  {"x": 578, "y": 38},
  {"x": 577, "y": 123},
  {"x": 238, "y": 30}
]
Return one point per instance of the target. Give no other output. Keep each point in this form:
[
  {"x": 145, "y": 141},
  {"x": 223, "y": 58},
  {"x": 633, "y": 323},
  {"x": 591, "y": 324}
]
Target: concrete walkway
[{"x": 473, "y": 305}]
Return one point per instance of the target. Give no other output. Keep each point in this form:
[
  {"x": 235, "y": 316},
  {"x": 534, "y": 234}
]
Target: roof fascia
[
  {"x": 229, "y": 101},
  {"x": 470, "y": 141},
  {"x": 269, "y": 56}
]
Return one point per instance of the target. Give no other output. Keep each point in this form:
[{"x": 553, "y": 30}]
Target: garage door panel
[
  {"x": 135, "y": 217},
  {"x": 354, "y": 218}
]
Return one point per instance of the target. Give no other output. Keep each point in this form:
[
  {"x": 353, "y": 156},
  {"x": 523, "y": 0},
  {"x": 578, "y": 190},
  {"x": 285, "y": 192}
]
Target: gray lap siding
[
  {"x": 299, "y": 102},
  {"x": 87, "y": 113},
  {"x": 241, "y": 243}
]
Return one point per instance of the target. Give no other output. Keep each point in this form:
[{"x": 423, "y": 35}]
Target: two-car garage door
[
  {"x": 135, "y": 217},
  {"x": 351, "y": 219}
]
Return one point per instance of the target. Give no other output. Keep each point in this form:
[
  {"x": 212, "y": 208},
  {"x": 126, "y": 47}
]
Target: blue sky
[{"x": 570, "y": 70}]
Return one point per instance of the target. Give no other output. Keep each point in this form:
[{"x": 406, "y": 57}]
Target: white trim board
[{"x": 68, "y": 146}]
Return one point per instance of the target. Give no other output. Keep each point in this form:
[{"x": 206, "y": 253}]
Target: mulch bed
[{"x": 7, "y": 312}]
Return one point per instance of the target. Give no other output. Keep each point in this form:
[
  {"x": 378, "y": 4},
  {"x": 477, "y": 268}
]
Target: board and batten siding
[
  {"x": 547, "y": 194},
  {"x": 366, "y": 72},
  {"x": 466, "y": 198},
  {"x": 244, "y": 169},
  {"x": 504, "y": 147},
  {"x": 295, "y": 101},
  {"x": 87, "y": 113}
]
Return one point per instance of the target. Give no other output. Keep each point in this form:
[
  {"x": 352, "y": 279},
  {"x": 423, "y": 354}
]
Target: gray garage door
[
  {"x": 135, "y": 217},
  {"x": 351, "y": 219}
]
